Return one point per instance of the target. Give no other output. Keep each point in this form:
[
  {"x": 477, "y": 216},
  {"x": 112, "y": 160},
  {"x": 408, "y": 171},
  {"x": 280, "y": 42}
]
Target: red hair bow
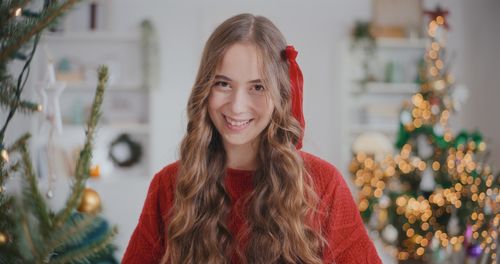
[{"x": 297, "y": 83}]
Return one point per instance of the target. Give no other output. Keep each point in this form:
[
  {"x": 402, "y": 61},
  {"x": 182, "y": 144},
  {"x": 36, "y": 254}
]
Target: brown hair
[{"x": 281, "y": 205}]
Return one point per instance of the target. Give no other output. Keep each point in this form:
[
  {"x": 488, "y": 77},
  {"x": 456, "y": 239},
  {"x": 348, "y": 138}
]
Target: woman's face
[{"x": 239, "y": 105}]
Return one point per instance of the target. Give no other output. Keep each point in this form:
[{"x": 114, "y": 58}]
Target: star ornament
[
  {"x": 439, "y": 15},
  {"x": 50, "y": 91}
]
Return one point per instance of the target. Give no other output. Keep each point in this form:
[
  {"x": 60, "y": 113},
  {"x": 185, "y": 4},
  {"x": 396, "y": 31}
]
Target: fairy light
[{"x": 18, "y": 12}]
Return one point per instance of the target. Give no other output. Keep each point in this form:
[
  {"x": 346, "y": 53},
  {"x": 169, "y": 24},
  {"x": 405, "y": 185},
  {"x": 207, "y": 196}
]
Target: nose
[{"x": 239, "y": 101}]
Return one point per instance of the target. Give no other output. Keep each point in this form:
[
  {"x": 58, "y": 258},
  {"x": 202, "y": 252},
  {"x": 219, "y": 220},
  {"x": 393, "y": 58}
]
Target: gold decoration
[
  {"x": 3, "y": 238},
  {"x": 90, "y": 203}
]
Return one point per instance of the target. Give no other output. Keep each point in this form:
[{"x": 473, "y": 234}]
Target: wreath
[{"x": 124, "y": 152}]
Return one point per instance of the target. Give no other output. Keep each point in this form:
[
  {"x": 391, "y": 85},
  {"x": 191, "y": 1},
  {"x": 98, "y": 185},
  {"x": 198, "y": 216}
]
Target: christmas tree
[
  {"x": 30, "y": 231},
  {"x": 437, "y": 194}
]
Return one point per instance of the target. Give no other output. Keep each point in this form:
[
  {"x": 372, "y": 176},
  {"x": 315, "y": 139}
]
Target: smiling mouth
[{"x": 237, "y": 124}]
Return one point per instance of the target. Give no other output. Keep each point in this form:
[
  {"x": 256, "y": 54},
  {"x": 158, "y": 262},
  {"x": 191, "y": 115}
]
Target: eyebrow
[{"x": 229, "y": 79}]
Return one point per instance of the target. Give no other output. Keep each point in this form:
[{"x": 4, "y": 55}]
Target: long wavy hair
[{"x": 280, "y": 223}]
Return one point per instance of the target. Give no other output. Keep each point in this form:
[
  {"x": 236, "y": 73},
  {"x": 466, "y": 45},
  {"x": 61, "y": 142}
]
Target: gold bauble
[
  {"x": 90, "y": 203},
  {"x": 3, "y": 238}
]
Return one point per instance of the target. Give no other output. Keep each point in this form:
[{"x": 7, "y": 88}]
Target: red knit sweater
[{"x": 341, "y": 223}]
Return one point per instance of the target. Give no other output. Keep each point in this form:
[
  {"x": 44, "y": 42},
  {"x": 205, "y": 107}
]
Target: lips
[{"x": 237, "y": 124}]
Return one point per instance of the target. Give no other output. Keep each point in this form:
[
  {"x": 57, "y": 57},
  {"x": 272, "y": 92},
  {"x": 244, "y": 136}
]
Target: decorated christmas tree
[
  {"x": 30, "y": 231},
  {"x": 437, "y": 196}
]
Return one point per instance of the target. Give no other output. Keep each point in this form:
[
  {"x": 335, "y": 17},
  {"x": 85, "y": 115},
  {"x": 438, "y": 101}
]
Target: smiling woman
[
  {"x": 242, "y": 191},
  {"x": 240, "y": 109}
]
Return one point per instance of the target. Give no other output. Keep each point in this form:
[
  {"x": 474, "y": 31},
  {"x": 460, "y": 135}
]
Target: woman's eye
[
  {"x": 221, "y": 84},
  {"x": 259, "y": 88}
]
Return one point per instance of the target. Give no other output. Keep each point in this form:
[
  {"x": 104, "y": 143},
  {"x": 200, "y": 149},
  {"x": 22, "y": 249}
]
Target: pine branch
[
  {"x": 32, "y": 196},
  {"x": 73, "y": 232},
  {"x": 45, "y": 19},
  {"x": 10, "y": 7},
  {"x": 83, "y": 164},
  {"x": 29, "y": 240},
  {"x": 84, "y": 254},
  {"x": 9, "y": 100}
]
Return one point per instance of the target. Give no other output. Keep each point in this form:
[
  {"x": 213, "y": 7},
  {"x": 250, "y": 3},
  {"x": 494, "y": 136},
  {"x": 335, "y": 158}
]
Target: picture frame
[{"x": 397, "y": 18}]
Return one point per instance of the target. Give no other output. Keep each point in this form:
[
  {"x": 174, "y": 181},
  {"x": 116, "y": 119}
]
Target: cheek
[
  {"x": 212, "y": 108},
  {"x": 267, "y": 109},
  {"x": 214, "y": 102}
]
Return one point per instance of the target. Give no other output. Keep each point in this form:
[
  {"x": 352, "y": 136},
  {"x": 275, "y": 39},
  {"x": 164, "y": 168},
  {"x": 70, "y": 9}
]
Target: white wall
[{"x": 481, "y": 71}]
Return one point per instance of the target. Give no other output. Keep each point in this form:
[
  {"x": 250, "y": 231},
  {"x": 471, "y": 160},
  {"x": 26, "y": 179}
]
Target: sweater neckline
[
  {"x": 239, "y": 176},
  {"x": 238, "y": 172}
]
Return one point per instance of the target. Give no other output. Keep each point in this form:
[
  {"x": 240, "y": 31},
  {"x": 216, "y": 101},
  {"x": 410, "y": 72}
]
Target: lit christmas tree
[
  {"x": 437, "y": 194},
  {"x": 30, "y": 232}
]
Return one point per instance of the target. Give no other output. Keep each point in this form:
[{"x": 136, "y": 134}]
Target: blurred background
[{"x": 153, "y": 50}]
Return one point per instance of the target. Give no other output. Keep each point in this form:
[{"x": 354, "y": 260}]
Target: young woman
[{"x": 242, "y": 191}]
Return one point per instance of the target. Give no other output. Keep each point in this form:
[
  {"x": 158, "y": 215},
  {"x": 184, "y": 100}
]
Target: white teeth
[{"x": 236, "y": 122}]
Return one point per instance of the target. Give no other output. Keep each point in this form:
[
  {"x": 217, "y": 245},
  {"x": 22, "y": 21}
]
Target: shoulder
[
  {"x": 325, "y": 176},
  {"x": 165, "y": 178}
]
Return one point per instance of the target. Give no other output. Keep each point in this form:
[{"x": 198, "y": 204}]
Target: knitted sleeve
[
  {"x": 146, "y": 244},
  {"x": 342, "y": 226},
  {"x": 347, "y": 234}
]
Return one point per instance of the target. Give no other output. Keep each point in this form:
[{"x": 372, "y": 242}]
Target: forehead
[{"x": 240, "y": 62}]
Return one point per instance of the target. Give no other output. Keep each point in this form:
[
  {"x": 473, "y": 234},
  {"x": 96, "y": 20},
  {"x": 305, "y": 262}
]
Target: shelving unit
[
  {"x": 374, "y": 105},
  {"x": 125, "y": 107}
]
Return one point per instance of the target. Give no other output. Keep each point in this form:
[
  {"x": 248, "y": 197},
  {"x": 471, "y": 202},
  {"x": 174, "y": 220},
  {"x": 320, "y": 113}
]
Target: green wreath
[{"x": 132, "y": 149}]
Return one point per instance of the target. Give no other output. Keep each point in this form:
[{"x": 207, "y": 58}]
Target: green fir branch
[
  {"x": 83, "y": 164},
  {"x": 33, "y": 27},
  {"x": 8, "y": 9},
  {"x": 32, "y": 196},
  {"x": 9, "y": 100},
  {"x": 73, "y": 232},
  {"x": 29, "y": 240},
  {"x": 88, "y": 252}
]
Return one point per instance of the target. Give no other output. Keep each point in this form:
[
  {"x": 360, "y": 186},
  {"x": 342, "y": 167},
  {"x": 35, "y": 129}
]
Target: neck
[{"x": 242, "y": 157}]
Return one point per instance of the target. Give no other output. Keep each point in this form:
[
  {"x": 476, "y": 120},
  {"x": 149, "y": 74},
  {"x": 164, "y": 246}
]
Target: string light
[
  {"x": 18, "y": 12},
  {"x": 468, "y": 182},
  {"x": 5, "y": 155}
]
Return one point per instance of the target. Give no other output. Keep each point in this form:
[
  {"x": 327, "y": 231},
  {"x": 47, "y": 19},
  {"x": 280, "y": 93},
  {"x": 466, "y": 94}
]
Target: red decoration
[
  {"x": 297, "y": 83},
  {"x": 433, "y": 14}
]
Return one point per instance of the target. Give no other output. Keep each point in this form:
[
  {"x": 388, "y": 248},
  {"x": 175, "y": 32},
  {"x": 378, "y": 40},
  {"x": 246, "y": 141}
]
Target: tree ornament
[
  {"x": 458, "y": 96},
  {"x": 95, "y": 171},
  {"x": 468, "y": 235},
  {"x": 453, "y": 226},
  {"x": 384, "y": 201},
  {"x": 438, "y": 130},
  {"x": 50, "y": 91},
  {"x": 437, "y": 15},
  {"x": 425, "y": 149},
  {"x": 390, "y": 233},
  {"x": 427, "y": 183},
  {"x": 405, "y": 117},
  {"x": 91, "y": 202},
  {"x": 474, "y": 251},
  {"x": 374, "y": 143}
]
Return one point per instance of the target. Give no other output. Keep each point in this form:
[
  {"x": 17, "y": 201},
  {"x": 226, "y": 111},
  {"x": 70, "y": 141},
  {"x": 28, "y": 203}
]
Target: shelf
[
  {"x": 86, "y": 87},
  {"x": 402, "y": 43},
  {"x": 92, "y": 36},
  {"x": 134, "y": 128},
  {"x": 384, "y": 128},
  {"x": 385, "y": 88}
]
